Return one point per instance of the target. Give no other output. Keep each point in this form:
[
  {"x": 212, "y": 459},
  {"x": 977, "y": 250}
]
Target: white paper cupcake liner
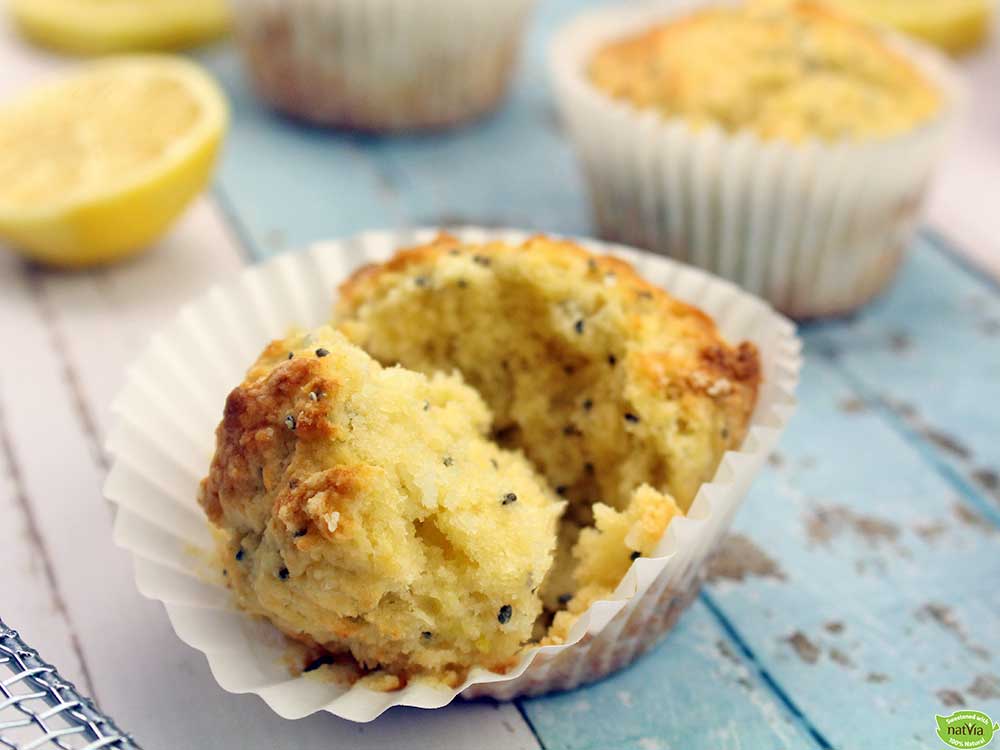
[
  {"x": 381, "y": 65},
  {"x": 163, "y": 440},
  {"x": 815, "y": 228}
]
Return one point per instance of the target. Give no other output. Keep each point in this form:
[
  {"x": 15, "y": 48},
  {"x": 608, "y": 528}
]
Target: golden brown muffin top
[{"x": 788, "y": 70}]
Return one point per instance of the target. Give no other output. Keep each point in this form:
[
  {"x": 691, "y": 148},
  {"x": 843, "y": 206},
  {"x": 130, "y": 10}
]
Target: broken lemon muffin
[
  {"x": 363, "y": 509},
  {"x": 424, "y": 526},
  {"x": 623, "y": 397}
]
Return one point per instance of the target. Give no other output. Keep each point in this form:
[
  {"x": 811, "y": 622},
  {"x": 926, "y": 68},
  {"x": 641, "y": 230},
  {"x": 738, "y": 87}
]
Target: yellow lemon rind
[{"x": 57, "y": 25}]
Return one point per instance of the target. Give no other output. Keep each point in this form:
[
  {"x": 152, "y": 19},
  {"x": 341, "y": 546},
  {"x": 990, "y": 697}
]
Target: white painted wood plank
[
  {"x": 29, "y": 598},
  {"x": 41, "y": 441},
  {"x": 30, "y": 601},
  {"x": 104, "y": 318}
]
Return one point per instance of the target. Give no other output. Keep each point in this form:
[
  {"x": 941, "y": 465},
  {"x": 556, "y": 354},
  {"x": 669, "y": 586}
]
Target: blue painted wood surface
[{"x": 863, "y": 596}]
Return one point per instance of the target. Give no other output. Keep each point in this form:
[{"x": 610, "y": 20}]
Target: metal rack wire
[{"x": 39, "y": 710}]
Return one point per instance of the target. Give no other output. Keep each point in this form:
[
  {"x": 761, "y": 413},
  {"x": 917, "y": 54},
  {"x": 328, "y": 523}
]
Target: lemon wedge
[
  {"x": 97, "y": 165},
  {"x": 104, "y": 26},
  {"x": 953, "y": 25}
]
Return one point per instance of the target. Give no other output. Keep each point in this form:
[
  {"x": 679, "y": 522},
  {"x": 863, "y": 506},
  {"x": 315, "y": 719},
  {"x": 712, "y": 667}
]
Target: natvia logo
[{"x": 966, "y": 729}]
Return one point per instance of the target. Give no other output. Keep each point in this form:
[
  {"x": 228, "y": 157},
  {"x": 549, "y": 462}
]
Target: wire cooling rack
[{"x": 39, "y": 710}]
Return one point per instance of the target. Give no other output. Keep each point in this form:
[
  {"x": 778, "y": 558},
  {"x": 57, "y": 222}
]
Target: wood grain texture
[
  {"x": 873, "y": 604},
  {"x": 696, "y": 689},
  {"x": 927, "y": 356}
]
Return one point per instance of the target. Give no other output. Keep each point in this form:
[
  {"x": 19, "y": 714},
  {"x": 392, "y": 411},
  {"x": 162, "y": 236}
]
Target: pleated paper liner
[
  {"x": 814, "y": 228},
  {"x": 163, "y": 441},
  {"x": 381, "y": 65}
]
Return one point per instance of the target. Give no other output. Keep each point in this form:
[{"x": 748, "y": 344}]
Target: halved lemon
[
  {"x": 104, "y": 26},
  {"x": 97, "y": 165},
  {"x": 953, "y": 25}
]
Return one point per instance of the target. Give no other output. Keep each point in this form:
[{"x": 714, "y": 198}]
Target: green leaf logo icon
[{"x": 966, "y": 730}]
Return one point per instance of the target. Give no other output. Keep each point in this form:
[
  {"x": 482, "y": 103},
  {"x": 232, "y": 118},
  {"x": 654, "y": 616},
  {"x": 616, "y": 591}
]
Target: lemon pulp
[{"x": 97, "y": 165}]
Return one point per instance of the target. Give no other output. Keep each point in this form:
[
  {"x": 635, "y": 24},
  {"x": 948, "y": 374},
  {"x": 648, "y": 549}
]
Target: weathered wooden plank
[
  {"x": 103, "y": 319},
  {"x": 928, "y": 356},
  {"x": 31, "y": 597},
  {"x": 880, "y": 596},
  {"x": 32, "y": 379},
  {"x": 694, "y": 690}
]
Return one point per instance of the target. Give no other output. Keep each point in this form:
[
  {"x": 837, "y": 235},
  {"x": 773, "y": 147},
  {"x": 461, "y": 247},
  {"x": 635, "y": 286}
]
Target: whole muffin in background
[
  {"x": 381, "y": 65},
  {"x": 623, "y": 398},
  {"x": 363, "y": 510},
  {"x": 788, "y": 73},
  {"x": 778, "y": 144}
]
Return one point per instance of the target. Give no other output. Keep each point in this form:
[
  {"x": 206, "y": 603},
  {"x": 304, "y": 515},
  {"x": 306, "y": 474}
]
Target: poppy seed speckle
[
  {"x": 505, "y": 613},
  {"x": 322, "y": 661}
]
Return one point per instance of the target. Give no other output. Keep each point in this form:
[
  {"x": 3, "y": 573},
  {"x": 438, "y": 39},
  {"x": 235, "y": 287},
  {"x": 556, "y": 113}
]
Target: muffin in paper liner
[
  {"x": 381, "y": 65},
  {"x": 163, "y": 440},
  {"x": 814, "y": 228}
]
